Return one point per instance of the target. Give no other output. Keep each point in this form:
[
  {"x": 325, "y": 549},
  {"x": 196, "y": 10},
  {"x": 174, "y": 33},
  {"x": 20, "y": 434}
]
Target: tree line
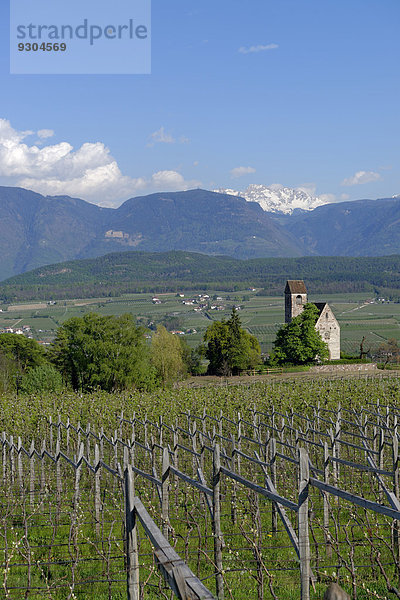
[
  {"x": 139, "y": 272},
  {"x": 115, "y": 353}
]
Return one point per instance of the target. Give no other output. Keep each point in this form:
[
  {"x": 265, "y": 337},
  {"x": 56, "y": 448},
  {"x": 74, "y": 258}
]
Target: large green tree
[
  {"x": 18, "y": 355},
  {"x": 25, "y": 352},
  {"x": 104, "y": 352},
  {"x": 298, "y": 342},
  {"x": 230, "y": 348}
]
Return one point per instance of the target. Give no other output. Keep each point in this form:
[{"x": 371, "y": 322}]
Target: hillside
[
  {"x": 36, "y": 230},
  {"x": 358, "y": 228},
  {"x": 129, "y": 272}
]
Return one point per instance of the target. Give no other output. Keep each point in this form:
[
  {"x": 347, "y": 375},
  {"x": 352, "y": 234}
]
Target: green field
[{"x": 261, "y": 315}]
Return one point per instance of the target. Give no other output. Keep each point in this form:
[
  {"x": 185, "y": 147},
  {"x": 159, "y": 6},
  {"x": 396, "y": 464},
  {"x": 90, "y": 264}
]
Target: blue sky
[{"x": 302, "y": 93}]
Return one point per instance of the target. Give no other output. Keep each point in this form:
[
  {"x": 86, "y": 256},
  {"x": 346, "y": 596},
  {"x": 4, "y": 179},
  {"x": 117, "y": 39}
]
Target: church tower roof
[{"x": 295, "y": 286}]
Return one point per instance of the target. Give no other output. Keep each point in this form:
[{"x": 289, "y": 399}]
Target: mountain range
[
  {"x": 278, "y": 198},
  {"x": 36, "y": 230}
]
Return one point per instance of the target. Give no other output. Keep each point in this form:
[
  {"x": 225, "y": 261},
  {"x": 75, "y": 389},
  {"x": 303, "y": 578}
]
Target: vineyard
[{"x": 269, "y": 490}]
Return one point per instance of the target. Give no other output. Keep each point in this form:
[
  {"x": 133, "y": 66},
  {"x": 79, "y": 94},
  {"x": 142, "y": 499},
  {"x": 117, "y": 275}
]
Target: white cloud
[
  {"x": 327, "y": 198},
  {"x": 43, "y": 134},
  {"x": 241, "y": 171},
  {"x": 308, "y": 188},
  {"x": 259, "y": 48},
  {"x": 362, "y": 177},
  {"x": 90, "y": 172},
  {"x": 162, "y": 137},
  {"x": 172, "y": 180}
]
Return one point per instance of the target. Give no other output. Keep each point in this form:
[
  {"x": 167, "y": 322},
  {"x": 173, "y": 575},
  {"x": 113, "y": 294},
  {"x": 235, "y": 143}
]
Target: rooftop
[{"x": 295, "y": 286}]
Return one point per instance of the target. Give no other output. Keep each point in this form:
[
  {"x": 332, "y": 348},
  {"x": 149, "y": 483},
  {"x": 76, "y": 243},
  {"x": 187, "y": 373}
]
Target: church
[{"x": 326, "y": 325}]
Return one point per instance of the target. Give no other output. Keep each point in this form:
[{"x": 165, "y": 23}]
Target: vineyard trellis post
[
  {"x": 165, "y": 493},
  {"x": 272, "y": 447},
  {"x": 326, "y": 502},
  {"x": 304, "y": 542},
  {"x": 132, "y": 556},
  {"x": 396, "y": 524},
  {"x": 97, "y": 496},
  {"x": 217, "y": 533}
]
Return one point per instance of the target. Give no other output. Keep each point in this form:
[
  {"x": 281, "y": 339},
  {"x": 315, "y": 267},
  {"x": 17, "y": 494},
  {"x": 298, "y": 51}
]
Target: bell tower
[{"x": 295, "y": 298}]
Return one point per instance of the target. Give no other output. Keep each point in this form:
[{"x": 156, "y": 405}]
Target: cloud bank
[{"x": 89, "y": 172}]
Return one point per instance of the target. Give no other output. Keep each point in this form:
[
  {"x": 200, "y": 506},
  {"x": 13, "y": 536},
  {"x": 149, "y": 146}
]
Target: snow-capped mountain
[{"x": 277, "y": 198}]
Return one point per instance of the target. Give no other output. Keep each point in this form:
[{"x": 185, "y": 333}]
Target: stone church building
[{"x": 327, "y": 325}]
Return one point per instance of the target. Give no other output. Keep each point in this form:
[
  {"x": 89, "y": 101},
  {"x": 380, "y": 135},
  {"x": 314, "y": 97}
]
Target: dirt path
[{"x": 212, "y": 380}]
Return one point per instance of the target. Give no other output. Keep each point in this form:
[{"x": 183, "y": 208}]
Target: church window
[{"x": 299, "y": 299}]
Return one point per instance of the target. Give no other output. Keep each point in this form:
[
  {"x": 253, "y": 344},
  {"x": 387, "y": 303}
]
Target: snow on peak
[{"x": 277, "y": 198}]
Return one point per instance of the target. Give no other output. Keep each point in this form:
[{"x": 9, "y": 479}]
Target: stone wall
[{"x": 329, "y": 329}]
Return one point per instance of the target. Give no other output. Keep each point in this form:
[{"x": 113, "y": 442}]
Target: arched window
[{"x": 299, "y": 299}]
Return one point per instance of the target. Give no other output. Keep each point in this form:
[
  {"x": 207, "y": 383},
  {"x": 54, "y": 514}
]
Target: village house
[{"x": 326, "y": 325}]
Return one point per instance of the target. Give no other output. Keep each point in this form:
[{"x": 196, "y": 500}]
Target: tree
[
  {"x": 167, "y": 355},
  {"x": 388, "y": 352},
  {"x": 25, "y": 352},
  {"x": 104, "y": 352},
  {"x": 18, "y": 355},
  {"x": 44, "y": 378},
  {"x": 298, "y": 342},
  {"x": 230, "y": 348}
]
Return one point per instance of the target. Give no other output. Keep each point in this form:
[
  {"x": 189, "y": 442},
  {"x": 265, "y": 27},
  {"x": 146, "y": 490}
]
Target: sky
[{"x": 301, "y": 93}]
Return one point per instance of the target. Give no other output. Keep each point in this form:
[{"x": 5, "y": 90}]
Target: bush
[{"x": 44, "y": 378}]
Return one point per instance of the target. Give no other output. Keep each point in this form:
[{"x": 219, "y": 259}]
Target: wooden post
[
  {"x": 333, "y": 448},
  {"x": 194, "y": 448},
  {"x": 304, "y": 542},
  {"x": 272, "y": 458},
  {"x": 337, "y": 440},
  {"x": 19, "y": 458},
  {"x": 42, "y": 472},
  {"x": 239, "y": 442},
  {"x": 217, "y": 533},
  {"x": 380, "y": 458},
  {"x": 51, "y": 434},
  {"x": 396, "y": 524},
  {"x": 4, "y": 457},
  {"x": 97, "y": 495},
  {"x": 88, "y": 442},
  {"x": 165, "y": 493},
  {"x": 12, "y": 459},
  {"x": 132, "y": 556},
  {"x": 32, "y": 473},
  {"x": 233, "y": 484},
  {"x": 326, "y": 503},
  {"x": 68, "y": 434},
  {"x": 176, "y": 464},
  {"x": 146, "y": 441},
  {"x": 160, "y": 427},
  {"x": 58, "y": 471},
  {"x": 77, "y": 478}
]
